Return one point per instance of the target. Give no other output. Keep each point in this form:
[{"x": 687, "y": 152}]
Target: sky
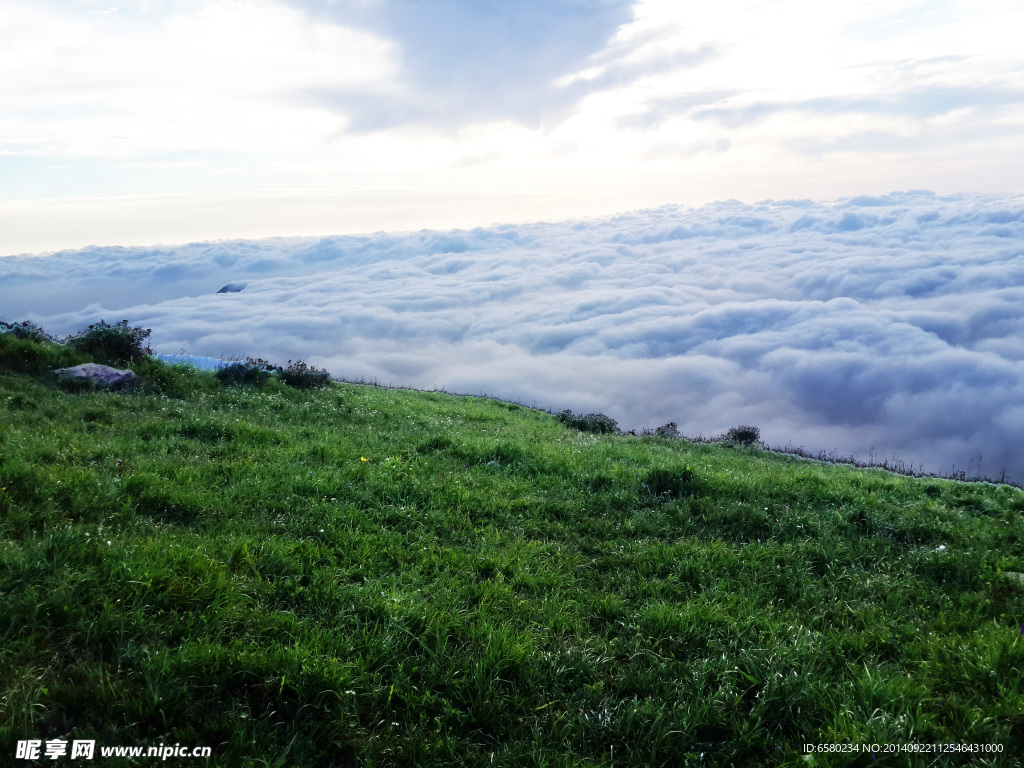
[{"x": 170, "y": 121}]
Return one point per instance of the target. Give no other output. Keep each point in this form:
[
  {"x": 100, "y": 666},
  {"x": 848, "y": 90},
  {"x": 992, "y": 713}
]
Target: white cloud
[
  {"x": 758, "y": 85},
  {"x": 217, "y": 77},
  {"x": 888, "y": 324}
]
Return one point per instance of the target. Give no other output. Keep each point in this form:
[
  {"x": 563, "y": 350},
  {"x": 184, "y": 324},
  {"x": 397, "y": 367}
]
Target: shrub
[
  {"x": 743, "y": 435},
  {"x": 251, "y": 371},
  {"x": 670, "y": 430},
  {"x": 113, "y": 342},
  {"x": 592, "y": 422},
  {"x": 302, "y": 376},
  {"x": 25, "y": 353},
  {"x": 179, "y": 381},
  {"x": 26, "y": 330}
]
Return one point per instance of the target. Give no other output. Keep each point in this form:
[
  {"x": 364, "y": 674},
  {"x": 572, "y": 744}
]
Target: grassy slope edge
[{"x": 369, "y": 576}]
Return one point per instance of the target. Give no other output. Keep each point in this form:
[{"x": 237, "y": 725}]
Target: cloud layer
[{"x": 889, "y": 325}]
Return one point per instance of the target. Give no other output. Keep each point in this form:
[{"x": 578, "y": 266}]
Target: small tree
[
  {"x": 118, "y": 342},
  {"x": 302, "y": 376},
  {"x": 743, "y": 435},
  {"x": 597, "y": 423},
  {"x": 251, "y": 371}
]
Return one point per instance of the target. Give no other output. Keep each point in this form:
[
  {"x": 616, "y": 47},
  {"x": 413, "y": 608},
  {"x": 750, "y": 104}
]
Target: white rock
[{"x": 102, "y": 375}]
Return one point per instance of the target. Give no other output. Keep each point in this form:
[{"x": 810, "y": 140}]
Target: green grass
[{"x": 208, "y": 565}]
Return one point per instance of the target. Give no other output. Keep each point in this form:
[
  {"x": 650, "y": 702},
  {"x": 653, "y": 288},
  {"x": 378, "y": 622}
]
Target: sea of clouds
[{"x": 873, "y": 326}]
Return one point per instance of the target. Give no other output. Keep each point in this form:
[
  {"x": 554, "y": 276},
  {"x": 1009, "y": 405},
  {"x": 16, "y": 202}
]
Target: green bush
[
  {"x": 117, "y": 342},
  {"x": 252, "y": 371},
  {"x": 597, "y": 423},
  {"x": 302, "y": 376},
  {"x": 26, "y": 330},
  {"x": 172, "y": 380},
  {"x": 670, "y": 430},
  {"x": 743, "y": 435},
  {"x": 28, "y": 355}
]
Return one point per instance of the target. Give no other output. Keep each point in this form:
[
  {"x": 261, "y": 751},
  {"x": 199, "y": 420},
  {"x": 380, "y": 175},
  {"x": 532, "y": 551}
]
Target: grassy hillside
[{"x": 364, "y": 576}]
